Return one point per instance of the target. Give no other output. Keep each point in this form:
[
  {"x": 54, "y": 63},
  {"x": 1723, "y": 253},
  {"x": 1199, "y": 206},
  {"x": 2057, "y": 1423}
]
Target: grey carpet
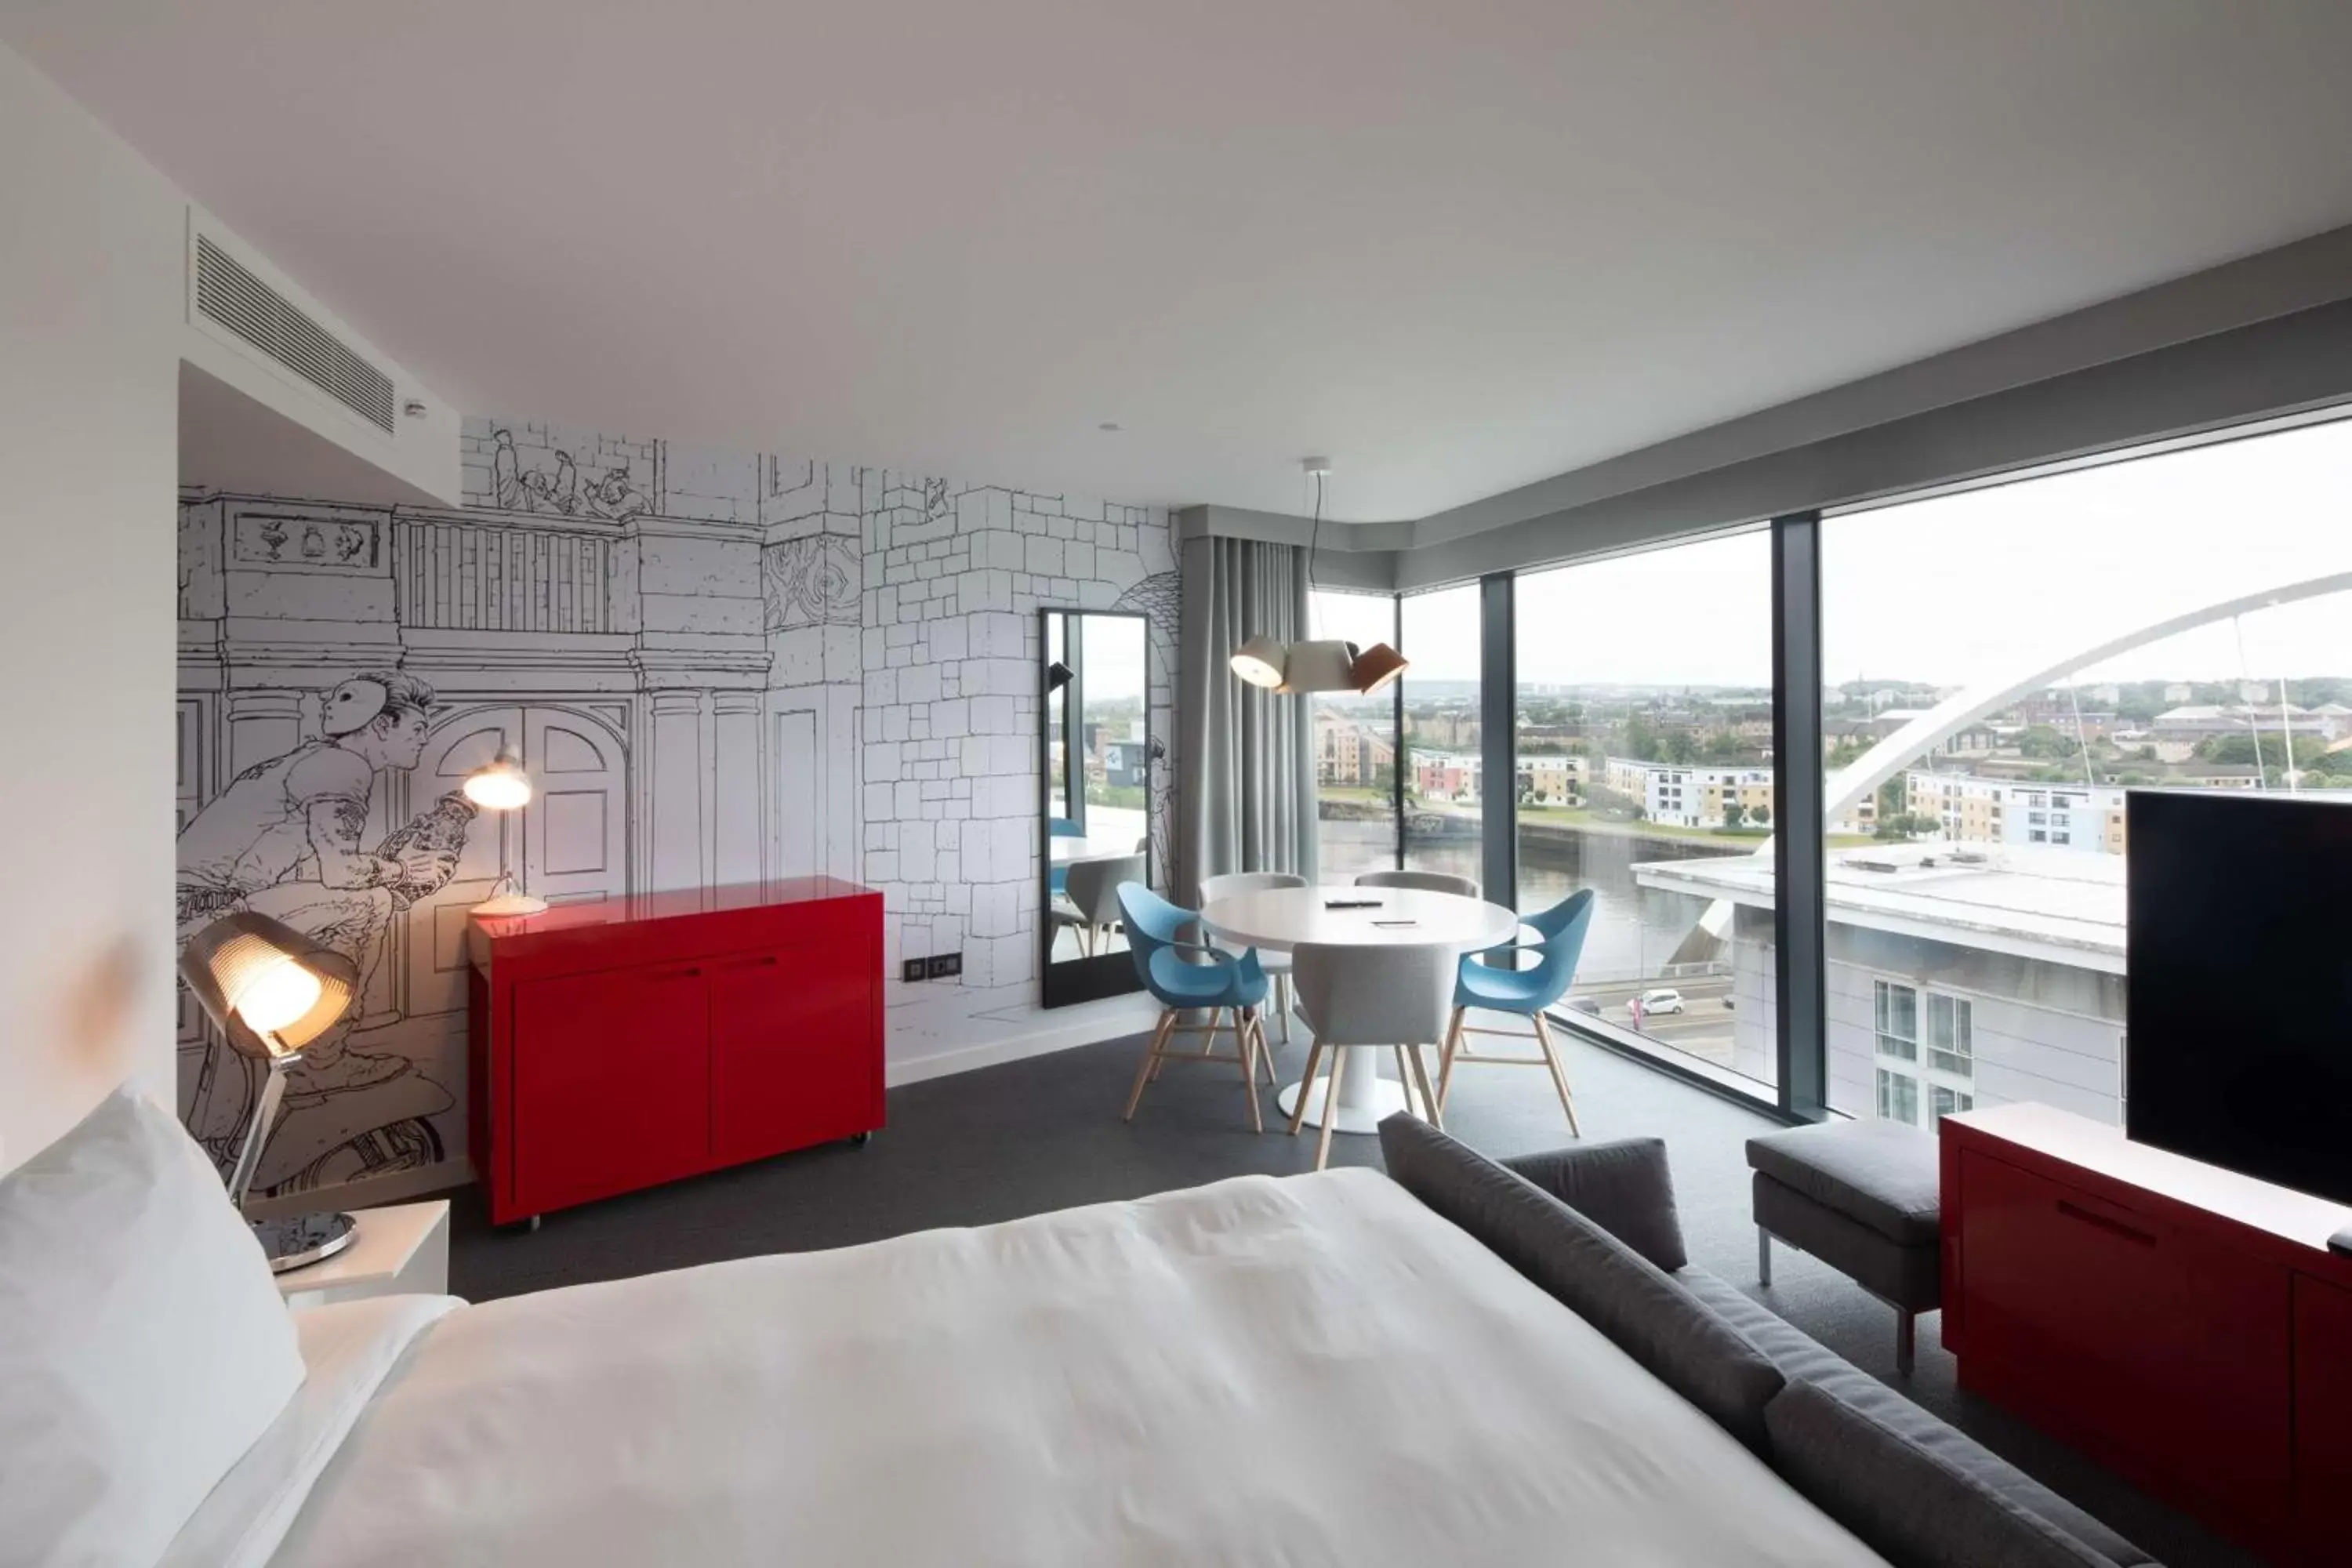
[{"x": 1044, "y": 1134}]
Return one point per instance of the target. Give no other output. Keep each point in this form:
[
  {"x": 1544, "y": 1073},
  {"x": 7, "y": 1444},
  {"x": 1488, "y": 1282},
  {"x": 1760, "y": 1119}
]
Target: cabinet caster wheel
[
  {"x": 521, "y": 1227},
  {"x": 859, "y": 1140}
]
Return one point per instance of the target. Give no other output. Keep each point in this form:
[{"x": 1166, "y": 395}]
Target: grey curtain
[{"x": 1248, "y": 794}]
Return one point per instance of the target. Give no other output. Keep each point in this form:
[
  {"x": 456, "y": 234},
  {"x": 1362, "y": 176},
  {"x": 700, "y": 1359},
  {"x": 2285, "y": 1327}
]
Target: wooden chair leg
[
  {"x": 1331, "y": 1106},
  {"x": 1432, "y": 1110},
  {"x": 1286, "y": 998},
  {"x": 1265, "y": 1054},
  {"x": 1446, "y": 1059},
  {"x": 1558, "y": 1074},
  {"x": 1245, "y": 1042},
  {"x": 1208, "y": 1041},
  {"x": 1143, "y": 1071},
  {"x": 1306, "y": 1086}
]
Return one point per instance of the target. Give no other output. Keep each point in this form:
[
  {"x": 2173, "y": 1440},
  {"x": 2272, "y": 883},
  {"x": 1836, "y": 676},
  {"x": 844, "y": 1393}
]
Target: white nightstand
[{"x": 402, "y": 1250}]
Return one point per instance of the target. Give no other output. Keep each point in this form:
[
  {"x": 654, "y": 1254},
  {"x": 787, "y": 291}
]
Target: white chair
[
  {"x": 1092, "y": 889},
  {"x": 1275, "y": 964},
  {"x": 1352, "y": 995},
  {"x": 1427, "y": 881}
]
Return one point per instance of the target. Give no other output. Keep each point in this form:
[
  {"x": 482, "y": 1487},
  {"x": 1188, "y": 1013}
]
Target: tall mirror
[{"x": 1094, "y": 772}]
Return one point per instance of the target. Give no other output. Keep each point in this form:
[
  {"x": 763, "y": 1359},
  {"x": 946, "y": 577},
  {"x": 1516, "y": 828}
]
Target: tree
[
  {"x": 1761, "y": 816},
  {"x": 1640, "y": 737},
  {"x": 1890, "y": 798},
  {"x": 1679, "y": 747},
  {"x": 1734, "y": 814},
  {"x": 2044, "y": 741}
]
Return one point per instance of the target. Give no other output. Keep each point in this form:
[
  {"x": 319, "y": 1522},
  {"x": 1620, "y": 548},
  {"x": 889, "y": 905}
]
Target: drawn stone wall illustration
[{"x": 718, "y": 666}]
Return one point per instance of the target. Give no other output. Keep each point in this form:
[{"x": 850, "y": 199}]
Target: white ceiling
[{"x": 1457, "y": 246}]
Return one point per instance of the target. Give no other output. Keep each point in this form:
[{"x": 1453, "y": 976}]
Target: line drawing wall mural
[{"x": 718, "y": 666}]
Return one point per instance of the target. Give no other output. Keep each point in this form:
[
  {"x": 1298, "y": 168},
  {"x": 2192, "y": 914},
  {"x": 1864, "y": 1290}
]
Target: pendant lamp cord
[{"x": 1314, "y": 536}]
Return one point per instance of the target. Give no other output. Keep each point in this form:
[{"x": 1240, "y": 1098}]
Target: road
[{"x": 1703, "y": 1028}]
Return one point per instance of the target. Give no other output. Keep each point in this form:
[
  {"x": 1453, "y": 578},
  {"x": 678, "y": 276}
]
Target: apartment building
[{"x": 1684, "y": 796}]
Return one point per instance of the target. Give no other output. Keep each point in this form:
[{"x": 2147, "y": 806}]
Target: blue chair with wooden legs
[
  {"x": 1527, "y": 993},
  {"x": 1185, "y": 976},
  {"x": 1058, "y": 879}
]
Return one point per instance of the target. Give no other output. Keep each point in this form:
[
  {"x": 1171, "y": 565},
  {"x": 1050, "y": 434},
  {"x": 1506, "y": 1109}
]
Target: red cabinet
[
  {"x": 2183, "y": 1324},
  {"x": 619, "y": 1044}
]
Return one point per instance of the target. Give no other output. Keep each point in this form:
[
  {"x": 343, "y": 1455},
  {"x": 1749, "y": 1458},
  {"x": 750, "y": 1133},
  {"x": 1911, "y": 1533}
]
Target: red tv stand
[
  {"x": 2184, "y": 1325},
  {"x": 621, "y": 1043}
]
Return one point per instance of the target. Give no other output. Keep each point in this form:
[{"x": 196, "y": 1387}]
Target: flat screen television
[{"x": 2239, "y": 1000}]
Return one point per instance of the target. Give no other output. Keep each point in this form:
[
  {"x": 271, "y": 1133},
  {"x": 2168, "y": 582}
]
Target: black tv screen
[{"x": 2238, "y": 1001}]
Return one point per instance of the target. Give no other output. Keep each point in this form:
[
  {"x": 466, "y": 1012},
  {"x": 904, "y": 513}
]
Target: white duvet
[{"x": 1314, "y": 1369}]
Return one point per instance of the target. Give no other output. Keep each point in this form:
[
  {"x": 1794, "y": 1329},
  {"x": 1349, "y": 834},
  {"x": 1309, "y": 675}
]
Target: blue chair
[
  {"x": 1186, "y": 976},
  {"x": 1057, "y": 879},
  {"x": 1525, "y": 992}
]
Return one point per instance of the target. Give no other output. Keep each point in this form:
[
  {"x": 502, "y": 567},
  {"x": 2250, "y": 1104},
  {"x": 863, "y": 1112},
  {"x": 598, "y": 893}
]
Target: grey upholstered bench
[{"x": 1862, "y": 1196}]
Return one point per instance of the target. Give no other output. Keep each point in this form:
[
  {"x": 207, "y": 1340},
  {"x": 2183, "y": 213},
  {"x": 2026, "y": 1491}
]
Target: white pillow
[{"x": 143, "y": 1346}]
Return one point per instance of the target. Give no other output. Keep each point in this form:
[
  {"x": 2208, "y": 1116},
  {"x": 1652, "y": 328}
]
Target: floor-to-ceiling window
[
  {"x": 1355, "y": 743},
  {"x": 1444, "y": 789},
  {"x": 1643, "y": 755},
  {"x": 2003, "y": 664}
]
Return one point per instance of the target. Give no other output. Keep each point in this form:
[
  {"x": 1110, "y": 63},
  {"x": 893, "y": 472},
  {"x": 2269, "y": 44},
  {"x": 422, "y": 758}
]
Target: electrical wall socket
[
  {"x": 914, "y": 969},
  {"x": 944, "y": 965}
]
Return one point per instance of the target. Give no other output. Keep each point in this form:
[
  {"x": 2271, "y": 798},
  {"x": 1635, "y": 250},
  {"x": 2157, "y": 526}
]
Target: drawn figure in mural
[
  {"x": 285, "y": 838},
  {"x": 616, "y": 497},
  {"x": 536, "y": 490}
]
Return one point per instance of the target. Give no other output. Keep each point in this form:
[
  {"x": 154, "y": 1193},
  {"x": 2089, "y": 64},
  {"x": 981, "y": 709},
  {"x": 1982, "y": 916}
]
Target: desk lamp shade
[
  {"x": 266, "y": 983},
  {"x": 272, "y": 991},
  {"x": 499, "y": 785}
]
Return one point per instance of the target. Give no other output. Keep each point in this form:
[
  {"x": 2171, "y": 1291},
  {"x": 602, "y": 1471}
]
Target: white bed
[{"x": 1314, "y": 1369}]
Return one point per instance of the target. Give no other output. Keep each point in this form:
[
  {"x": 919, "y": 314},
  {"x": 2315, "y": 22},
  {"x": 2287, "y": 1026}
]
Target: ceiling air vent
[{"x": 232, "y": 298}]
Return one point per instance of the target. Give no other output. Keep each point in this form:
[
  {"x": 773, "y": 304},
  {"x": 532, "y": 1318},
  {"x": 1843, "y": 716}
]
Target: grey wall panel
[{"x": 2279, "y": 367}]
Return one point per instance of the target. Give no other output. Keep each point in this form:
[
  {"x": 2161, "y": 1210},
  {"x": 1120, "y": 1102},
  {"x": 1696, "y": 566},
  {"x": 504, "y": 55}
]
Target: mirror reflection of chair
[
  {"x": 1353, "y": 995},
  {"x": 1184, "y": 975},
  {"x": 1092, "y": 890},
  {"x": 1527, "y": 993},
  {"x": 1275, "y": 964},
  {"x": 1427, "y": 881},
  {"x": 1057, "y": 878}
]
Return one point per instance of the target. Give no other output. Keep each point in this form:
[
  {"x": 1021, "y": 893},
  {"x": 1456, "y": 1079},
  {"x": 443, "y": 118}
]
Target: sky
[{"x": 1956, "y": 589}]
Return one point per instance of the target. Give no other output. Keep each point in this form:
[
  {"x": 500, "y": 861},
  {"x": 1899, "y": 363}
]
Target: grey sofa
[{"x": 1595, "y": 1226}]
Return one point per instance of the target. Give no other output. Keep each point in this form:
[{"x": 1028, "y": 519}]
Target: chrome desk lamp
[{"x": 272, "y": 991}]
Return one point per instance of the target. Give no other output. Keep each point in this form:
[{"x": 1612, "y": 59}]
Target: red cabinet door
[
  {"x": 2323, "y": 1414},
  {"x": 2152, "y": 1344},
  {"x": 791, "y": 1047},
  {"x": 612, "y": 1082}
]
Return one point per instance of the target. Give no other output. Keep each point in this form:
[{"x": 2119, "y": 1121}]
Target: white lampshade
[
  {"x": 1319, "y": 666},
  {"x": 1260, "y": 661},
  {"x": 500, "y": 784}
]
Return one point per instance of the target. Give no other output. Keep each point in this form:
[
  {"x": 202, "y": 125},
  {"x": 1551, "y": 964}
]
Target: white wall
[
  {"x": 89, "y": 253},
  {"x": 93, "y": 332}
]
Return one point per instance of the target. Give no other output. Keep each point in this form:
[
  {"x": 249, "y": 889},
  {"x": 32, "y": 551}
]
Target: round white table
[
  {"x": 1281, "y": 917},
  {"x": 1062, "y": 851}
]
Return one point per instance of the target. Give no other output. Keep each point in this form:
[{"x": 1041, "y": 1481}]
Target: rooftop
[{"x": 2061, "y": 906}]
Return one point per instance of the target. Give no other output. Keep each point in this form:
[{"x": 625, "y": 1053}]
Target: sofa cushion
[
  {"x": 1804, "y": 1358},
  {"x": 1907, "y": 1503},
  {"x": 1661, "y": 1326},
  {"x": 1622, "y": 1186},
  {"x": 1881, "y": 1174}
]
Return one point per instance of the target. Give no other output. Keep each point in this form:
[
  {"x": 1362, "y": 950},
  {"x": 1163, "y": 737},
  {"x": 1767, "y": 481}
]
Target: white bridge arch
[{"x": 1957, "y": 712}]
